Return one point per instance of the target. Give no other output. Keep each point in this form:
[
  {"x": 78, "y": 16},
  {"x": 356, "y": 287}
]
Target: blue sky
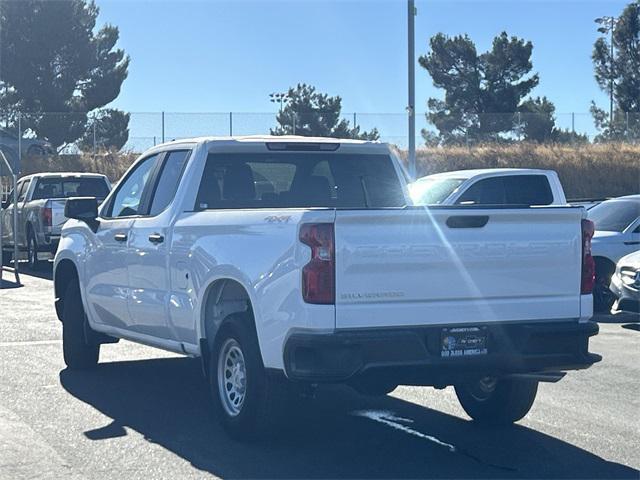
[{"x": 220, "y": 56}]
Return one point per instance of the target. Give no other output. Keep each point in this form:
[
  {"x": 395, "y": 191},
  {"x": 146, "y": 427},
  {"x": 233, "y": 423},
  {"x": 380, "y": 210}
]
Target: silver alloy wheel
[
  {"x": 232, "y": 377},
  {"x": 483, "y": 388},
  {"x": 33, "y": 252}
]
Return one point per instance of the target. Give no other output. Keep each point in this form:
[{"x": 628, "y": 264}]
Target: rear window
[
  {"x": 70, "y": 187},
  {"x": 299, "y": 180},
  {"x": 509, "y": 190}
]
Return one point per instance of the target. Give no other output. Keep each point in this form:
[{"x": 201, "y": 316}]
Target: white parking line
[
  {"x": 391, "y": 420},
  {"x": 29, "y": 343}
]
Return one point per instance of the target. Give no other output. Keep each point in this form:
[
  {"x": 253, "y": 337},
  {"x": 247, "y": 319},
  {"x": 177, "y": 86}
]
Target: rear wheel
[
  {"x": 497, "y": 402},
  {"x": 6, "y": 257},
  {"x": 32, "y": 252},
  {"x": 79, "y": 353},
  {"x": 249, "y": 402}
]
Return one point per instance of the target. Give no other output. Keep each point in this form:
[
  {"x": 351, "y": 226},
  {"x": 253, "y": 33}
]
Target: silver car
[{"x": 625, "y": 283}]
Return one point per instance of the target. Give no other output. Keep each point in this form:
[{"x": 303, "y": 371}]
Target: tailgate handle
[{"x": 467, "y": 221}]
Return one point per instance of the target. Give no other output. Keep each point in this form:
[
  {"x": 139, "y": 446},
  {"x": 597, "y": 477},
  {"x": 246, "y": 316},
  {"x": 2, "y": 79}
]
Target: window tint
[
  {"x": 528, "y": 190},
  {"x": 489, "y": 191},
  {"x": 70, "y": 187},
  {"x": 169, "y": 180},
  {"x": 509, "y": 190},
  {"x": 302, "y": 180},
  {"x": 128, "y": 197},
  {"x": 614, "y": 215}
]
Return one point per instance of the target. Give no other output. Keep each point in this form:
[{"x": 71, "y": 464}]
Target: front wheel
[
  {"x": 497, "y": 401},
  {"x": 248, "y": 402},
  {"x": 79, "y": 352}
]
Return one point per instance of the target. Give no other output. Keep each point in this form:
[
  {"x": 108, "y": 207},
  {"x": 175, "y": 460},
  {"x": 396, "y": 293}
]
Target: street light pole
[{"x": 411, "y": 108}]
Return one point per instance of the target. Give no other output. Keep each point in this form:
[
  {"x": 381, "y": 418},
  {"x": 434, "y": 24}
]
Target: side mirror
[{"x": 84, "y": 209}]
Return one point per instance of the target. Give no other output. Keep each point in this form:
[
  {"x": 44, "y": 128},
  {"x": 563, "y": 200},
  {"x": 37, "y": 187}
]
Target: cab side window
[
  {"x": 489, "y": 191},
  {"x": 127, "y": 200},
  {"x": 169, "y": 180},
  {"x": 22, "y": 191}
]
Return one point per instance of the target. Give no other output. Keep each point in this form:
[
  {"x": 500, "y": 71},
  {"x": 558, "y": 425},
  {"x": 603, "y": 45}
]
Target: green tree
[
  {"x": 482, "y": 91},
  {"x": 56, "y": 67},
  {"x": 616, "y": 63},
  {"x": 313, "y": 114},
  {"x": 536, "y": 122},
  {"x": 107, "y": 129}
]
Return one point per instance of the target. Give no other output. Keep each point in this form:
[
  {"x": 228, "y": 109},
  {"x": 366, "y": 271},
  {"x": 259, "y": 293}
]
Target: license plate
[{"x": 464, "y": 341}]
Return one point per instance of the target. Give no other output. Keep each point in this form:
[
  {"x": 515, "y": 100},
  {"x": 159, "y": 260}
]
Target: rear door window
[
  {"x": 299, "y": 180},
  {"x": 167, "y": 185}
]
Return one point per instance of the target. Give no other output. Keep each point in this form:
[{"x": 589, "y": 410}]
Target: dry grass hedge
[{"x": 604, "y": 170}]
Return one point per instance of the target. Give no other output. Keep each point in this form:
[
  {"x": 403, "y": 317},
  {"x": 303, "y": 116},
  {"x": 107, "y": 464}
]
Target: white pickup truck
[
  {"x": 285, "y": 262},
  {"x": 40, "y": 211}
]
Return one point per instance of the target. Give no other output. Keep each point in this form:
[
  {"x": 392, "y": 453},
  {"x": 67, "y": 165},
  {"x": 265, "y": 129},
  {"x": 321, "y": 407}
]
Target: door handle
[
  {"x": 156, "y": 238},
  {"x": 120, "y": 237},
  {"x": 467, "y": 221}
]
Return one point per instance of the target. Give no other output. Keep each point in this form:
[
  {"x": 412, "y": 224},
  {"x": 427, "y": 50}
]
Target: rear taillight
[
  {"x": 318, "y": 276},
  {"x": 588, "y": 265},
  {"x": 47, "y": 216}
]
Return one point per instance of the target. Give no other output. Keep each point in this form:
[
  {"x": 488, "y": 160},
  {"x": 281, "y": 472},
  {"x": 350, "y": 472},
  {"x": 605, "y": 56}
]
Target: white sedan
[
  {"x": 617, "y": 234},
  {"x": 625, "y": 283}
]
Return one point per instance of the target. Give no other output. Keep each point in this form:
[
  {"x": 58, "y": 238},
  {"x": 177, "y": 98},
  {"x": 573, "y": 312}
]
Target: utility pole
[{"x": 411, "y": 107}]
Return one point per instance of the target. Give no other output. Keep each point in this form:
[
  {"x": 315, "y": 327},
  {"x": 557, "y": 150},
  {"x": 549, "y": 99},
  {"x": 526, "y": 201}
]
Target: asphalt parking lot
[{"x": 145, "y": 414}]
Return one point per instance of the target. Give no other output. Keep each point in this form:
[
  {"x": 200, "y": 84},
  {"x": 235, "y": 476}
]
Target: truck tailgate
[{"x": 456, "y": 265}]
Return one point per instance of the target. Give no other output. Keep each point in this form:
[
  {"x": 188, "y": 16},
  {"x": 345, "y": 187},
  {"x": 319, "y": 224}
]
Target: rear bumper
[{"x": 412, "y": 356}]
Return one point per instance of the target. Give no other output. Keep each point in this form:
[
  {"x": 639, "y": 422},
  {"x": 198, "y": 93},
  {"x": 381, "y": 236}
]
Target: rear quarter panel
[{"x": 258, "y": 249}]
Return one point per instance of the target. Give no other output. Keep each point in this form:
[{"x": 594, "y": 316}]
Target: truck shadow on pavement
[{"x": 166, "y": 400}]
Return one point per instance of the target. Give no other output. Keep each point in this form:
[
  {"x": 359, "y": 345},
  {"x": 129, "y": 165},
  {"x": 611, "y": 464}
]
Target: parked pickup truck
[
  {"x": 41, "y": 200},
  {"x": 285, "y": 262},
  {"x": 489, "y": 186}
]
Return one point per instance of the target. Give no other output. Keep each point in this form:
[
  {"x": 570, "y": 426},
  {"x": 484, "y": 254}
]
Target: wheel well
[
  {"x": 65, "y": 273},
  {"x": 605, "y": 268},
  {"x": 224, "y": 297}
]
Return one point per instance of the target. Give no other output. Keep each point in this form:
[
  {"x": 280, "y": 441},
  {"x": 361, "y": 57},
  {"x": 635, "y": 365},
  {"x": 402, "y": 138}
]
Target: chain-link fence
[{"x": 31, "y": 134}]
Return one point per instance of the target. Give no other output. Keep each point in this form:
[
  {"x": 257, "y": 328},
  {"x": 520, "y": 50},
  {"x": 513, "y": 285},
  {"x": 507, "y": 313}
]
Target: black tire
[
  {"x": 79, "y": 354},
  {"x": 6, "y": 257},
  {"x": 32, "y": 251},
  {"x": 502, "y": 403},
  {"x": 264, "y": 399},
  {"x": 603, "y": 297}
]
